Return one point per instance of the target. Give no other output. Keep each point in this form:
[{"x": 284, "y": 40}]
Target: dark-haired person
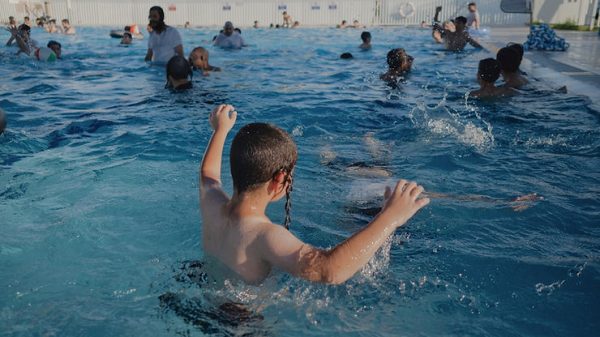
[
  {"x": 67, "y": 28},
  {"x": 510, "y": 60},
  {"x": 27, "y": 21},
  {"x": 366, "y": 41},
  {"x": 127, "y": 38},
  {"x": 229, "y": 38},
  {"x": 399, "y": 63},
  {"x": 56, "y": 47},
  {"x": 344, "y": 24},
  {"x": 473, "y": 19},
  {"x": 456, "y": 41},
  {"x": 51, "y": 27},
  {"x": 287, "y": 20},
  {"x": 199, "y": 61},
  {"x": 487, "y": 74},
  {"x": 179, "y": 73},
  {"x": 346, "y": 56},
  {"x": 164, "y": 41},
  {"x": 237, "y": 232}
]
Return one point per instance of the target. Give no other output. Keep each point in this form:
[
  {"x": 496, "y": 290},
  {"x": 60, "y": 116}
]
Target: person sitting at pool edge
[
  {"x": 487, "y": 74},
  {"x": 366, "y": 41},
  {"x": 399, "y": 63},
  {"x": 510, "y": 60},
  {"x": 179, "y": 73},
  {"x": 164, "y": 41},
  {"x": 67, "y": 28},
  {"x": 229, "y": 38},
  {"x": 126, "y": 39},
  {"x": 456, "y": 41},
  {"x": 199, "y": 60},
  {"x": 236, "y": 230}
]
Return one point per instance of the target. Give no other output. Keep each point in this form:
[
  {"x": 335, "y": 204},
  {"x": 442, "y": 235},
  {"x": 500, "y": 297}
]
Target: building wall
[
  {"x": 558, "y": 11},
  {"x": 244, "y": 12}
]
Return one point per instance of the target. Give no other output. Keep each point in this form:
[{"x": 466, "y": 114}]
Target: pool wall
[{"x": 243, "y": 13}]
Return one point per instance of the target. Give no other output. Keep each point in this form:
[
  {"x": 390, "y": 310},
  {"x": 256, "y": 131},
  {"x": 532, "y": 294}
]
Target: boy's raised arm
[
  {"x": 222, "y": 119},
  {"x": 281, "y": 249}
]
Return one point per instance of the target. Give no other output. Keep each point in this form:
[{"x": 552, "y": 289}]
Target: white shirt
[
  {"x": 163, "y": 44},
  {"x": 471, "y": 17},
  {"x": 233, "y": 41}
]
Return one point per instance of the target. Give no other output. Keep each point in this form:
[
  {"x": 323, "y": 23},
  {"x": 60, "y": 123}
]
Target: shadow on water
[{"x": 219, "y": 317}]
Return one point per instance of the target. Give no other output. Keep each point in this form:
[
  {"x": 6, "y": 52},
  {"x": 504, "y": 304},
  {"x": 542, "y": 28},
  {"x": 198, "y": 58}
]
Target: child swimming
[
  {"x": 366, "y": 41},
  {"x": 199, "y": 60},
  {"x": 238, "y": 233},
  {"x": 487, "y": 74},
  {"x": 509, "y": 59},
  {"x": 399, "y": 63},
  {"x": 179, "y": 73}
]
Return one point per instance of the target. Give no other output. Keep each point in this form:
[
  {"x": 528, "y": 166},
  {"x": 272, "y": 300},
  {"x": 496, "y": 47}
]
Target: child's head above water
[
  {"x": 178, "y": 71},
  {"x": 399, "y": 59},
  {"x": 365, "y": 37},
  {"x": 262, "y": 153},
  {"x": 488, "y": 71},
  {"x": 509, "y": 59}
]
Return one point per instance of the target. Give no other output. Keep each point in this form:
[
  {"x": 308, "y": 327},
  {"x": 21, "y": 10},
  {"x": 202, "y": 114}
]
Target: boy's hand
[
  {"x": 223, "y": 117},
  {"x": 402, "y": 203}
]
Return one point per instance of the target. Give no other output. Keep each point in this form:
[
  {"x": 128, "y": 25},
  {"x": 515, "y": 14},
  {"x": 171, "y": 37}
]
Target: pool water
[{"x": 99, "y": 192}]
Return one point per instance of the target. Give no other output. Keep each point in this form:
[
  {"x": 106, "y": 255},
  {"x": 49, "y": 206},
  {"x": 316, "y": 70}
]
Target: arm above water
[
  {"x": 283, "y": 250},
  {"x": 519, "y": 203},
  {"x": 473, "y": 42},
  {"x": 222, "y": 119},
  {"x": 148, "y": 55}
]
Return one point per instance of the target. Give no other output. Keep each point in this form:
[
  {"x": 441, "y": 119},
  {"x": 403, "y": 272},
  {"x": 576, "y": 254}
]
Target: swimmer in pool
[
  {"x": 179, "y": 73},
  {"x": 199, "y": 60},
  {"x": 509, "y": 59},
  {"x": 127, "y": 38},
  {"x": 2, "y": 122},
  {"x": 399, "y": 63},
  {"x": 29, "y": 47},
  {"x": 487, "y": 74},
  {"x": 356, "y": 24},
  {"x": 56, "y": 47},
  {"x": 366, "y": 41},
  {"x": 51, "y": 27},
  {"x": 67, "y": 28},
  {"x": 236, "y": 230},
  {"x": 342, "y": 25},
  {"x": 229, "y": 38},
  {"x": 457, "y": 40},
  {"x": 439, "y": 32}
]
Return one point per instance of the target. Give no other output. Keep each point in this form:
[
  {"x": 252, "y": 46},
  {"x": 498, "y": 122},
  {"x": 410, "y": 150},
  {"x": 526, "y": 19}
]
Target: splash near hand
[
  {"x": 403, "y": 202},
  {"x": 222, "y": 118}
]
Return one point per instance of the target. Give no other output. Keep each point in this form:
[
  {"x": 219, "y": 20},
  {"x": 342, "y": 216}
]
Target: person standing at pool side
[
  {"x": 487, "y": 75},
  {"x": 510, "y": 60},
  {"x": 236, "y": 230},
  {"x": 67, "y": 28},
  {"x": 229, "y": 38},
  {"x": 456, "y": 41},
  {"x": 287, "y": 20},
  {"x": 366, "y": 41},
  {"x": 164, "y": 41},
  {"x": 473, "y": 19}
]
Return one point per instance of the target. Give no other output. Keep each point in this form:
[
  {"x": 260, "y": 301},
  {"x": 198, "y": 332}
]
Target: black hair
[
  {"x": 65, "y": 20},
  {"x": 365, "y": 35},
  {"x": 489, "y": 70},
  {"x": 518, "y": 48},
  {"x": 161, "y": 12},
  {"x": 259, "y": 152},
  {"x": 127, "y": 28},
  {"x": 397, "y": 58},
  {"x": 179, "y": 68},
  {"x": 472, "y": 4},
  {"x": 53, "y": 43},
  {"x": 509, "y": 59},
  {"x": 128, "y": 34},
  {"x": 25, "y": 27},
  {"x": 346, "y": 56},
  {"x": 461, "y": 19}
]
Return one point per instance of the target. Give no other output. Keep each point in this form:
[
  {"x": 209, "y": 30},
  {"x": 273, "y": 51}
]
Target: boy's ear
[{"x": 279, "y": 177}]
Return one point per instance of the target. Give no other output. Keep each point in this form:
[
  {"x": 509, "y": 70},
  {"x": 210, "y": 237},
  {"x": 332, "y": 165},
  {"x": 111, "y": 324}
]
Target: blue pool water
[{"x": 99, "y": 203}]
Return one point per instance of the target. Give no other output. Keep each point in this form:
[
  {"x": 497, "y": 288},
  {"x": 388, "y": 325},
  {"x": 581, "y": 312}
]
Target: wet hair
[
  {"x": 2, "y": 122},
  {"x": 258, "y": 153},
  {"x": 397, "y": 58},
  {"x": 344, "y": 21},
  {"x": 127, "y": 28},
  {"x": 161, "y": 12},
  {"x": 471, "y": 4},
  {"x": 489, "y": 70},
  {"x": 65, "y": 21},
  {"x": 238, "y": 30},
  {"x": 53, "y": 43},
  {"x": 509, "y": 59},
  {"x": 365, "y": 35},
  {"x": 461, "y": 19},
  {"x": 346, "y": 56},
  {"x": 518, "y": 48},
  {"x": 178, "y": 68},
  {"x": 52, "y": 21},
  {"x": 25, "y": 28},
  {"x": 128, "y": 34}
]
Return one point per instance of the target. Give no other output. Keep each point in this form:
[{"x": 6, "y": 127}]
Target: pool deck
[{"x": 578, "y": 67}]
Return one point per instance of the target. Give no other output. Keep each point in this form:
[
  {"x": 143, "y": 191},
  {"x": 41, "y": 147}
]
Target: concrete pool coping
[{"x": 578, "y": 68}]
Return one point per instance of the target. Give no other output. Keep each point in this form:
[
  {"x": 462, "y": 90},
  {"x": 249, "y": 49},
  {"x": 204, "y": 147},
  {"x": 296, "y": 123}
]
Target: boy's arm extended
[
  {"x": 283, "y": 250},
  {"x": 222, "y": 119}
]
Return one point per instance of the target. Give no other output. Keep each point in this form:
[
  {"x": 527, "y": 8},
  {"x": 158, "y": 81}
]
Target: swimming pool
[{"x": 99, "y": 202}]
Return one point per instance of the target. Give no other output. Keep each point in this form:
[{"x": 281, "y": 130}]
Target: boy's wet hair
[
  {"x": 178, "y": 68},
  {"x": 25, "y": 28},
  {"x": 509, "y": 59},
  {"x": 471, "y": 4},
  {"x": 397, "y": 57},
  {"x": 518, "y": 48},
  {"x": 365, "y": 35},
  {"x": 489, "y": 70},
  {"x": 346, "y": 56},
  {"x": 461, "y": 19},
  {"x": 52, "y": 43},
  {"x": 258, "y": 153},
  {"x": 128, "y": 34}
]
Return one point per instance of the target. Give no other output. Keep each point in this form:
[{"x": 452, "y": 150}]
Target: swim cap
[{"x": 45, "y": 54}]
